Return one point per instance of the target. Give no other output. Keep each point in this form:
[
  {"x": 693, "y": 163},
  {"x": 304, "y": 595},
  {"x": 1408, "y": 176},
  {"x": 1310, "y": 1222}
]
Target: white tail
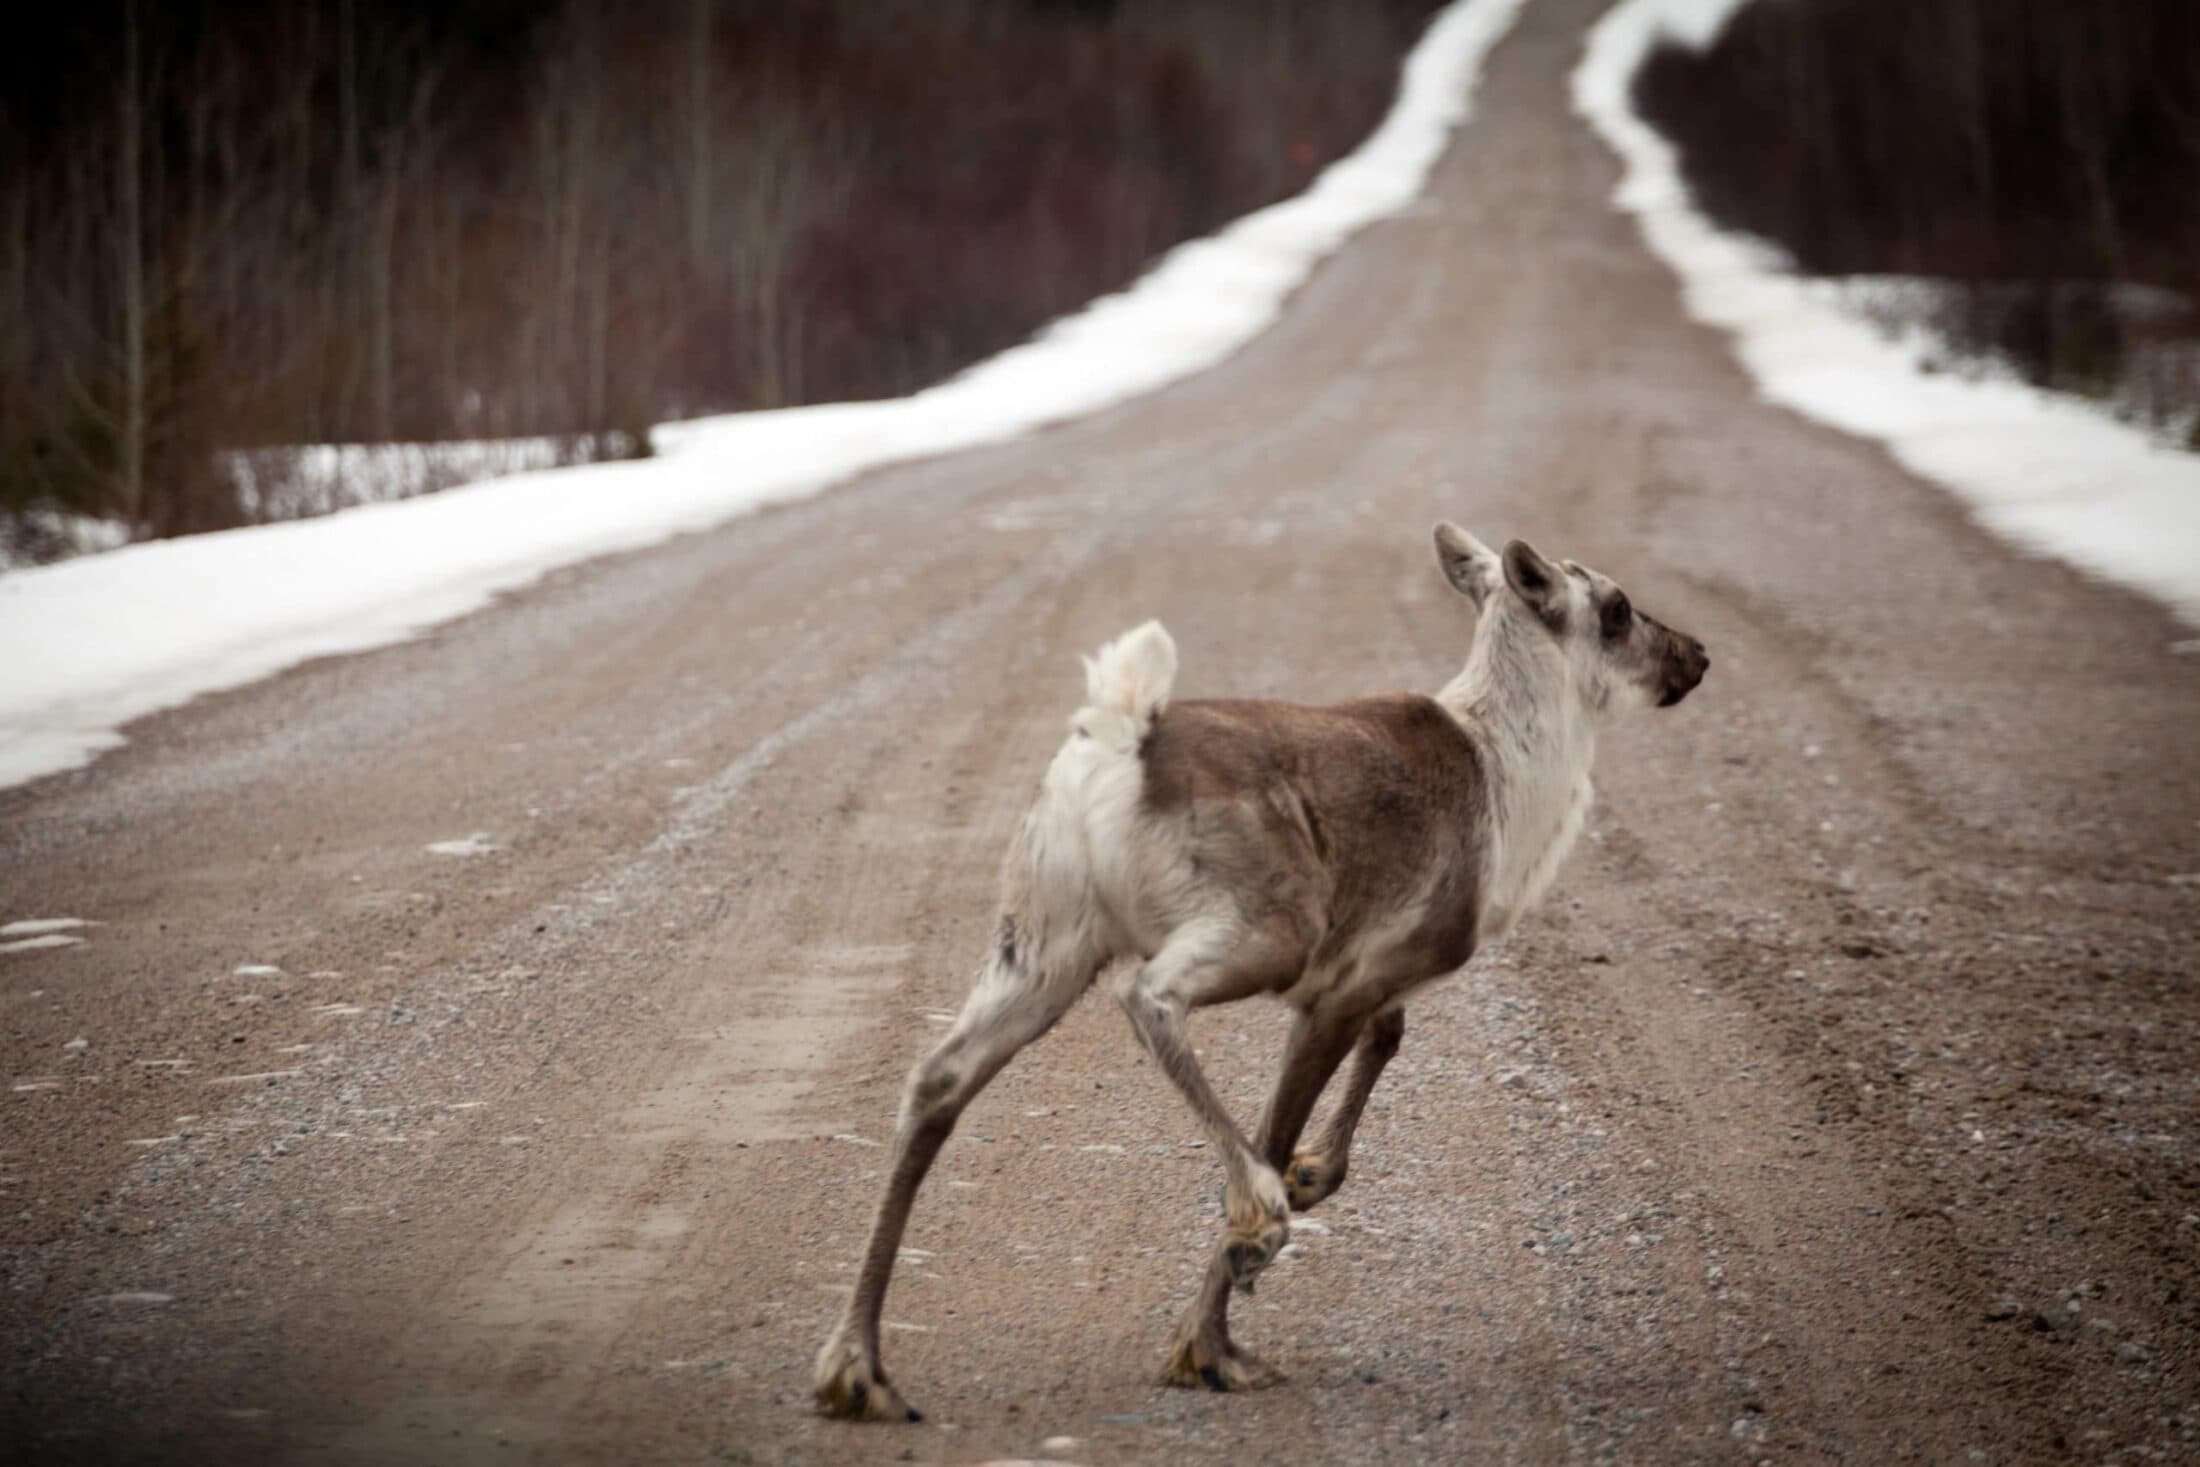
[{"x": 1127, "y": 684}]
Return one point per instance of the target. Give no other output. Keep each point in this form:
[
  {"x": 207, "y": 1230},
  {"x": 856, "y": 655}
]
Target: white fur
[
  {"x": 1079, "y": 840},
  {"x": 1127, "y": 684},
  {"x": 1536, "y": 705}
]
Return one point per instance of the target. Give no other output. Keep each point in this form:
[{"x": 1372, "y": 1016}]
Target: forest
[
  {"x": 227, "y": 229},
  {"x": 2036, "y": 160}
]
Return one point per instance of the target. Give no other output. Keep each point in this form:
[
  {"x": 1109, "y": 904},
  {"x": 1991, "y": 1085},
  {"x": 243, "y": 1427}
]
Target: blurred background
[
  {"x": 458, "y": 958},
  {"x": 528, "y": 231},
  {"x": 228, "y": 227},
  {"x": 2021, "y": 177}
]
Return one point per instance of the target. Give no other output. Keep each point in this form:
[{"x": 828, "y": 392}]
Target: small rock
[
  {"x": 2004, "y": 1308},
  {"x": 1060, "y": 1444},
  {"x": 2131, "y": 1352}
]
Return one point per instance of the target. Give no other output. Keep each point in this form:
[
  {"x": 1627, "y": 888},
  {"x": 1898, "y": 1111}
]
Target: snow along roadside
[
  {"x": 91, "y": 644},
  {"x": 2045, "y": 470}
]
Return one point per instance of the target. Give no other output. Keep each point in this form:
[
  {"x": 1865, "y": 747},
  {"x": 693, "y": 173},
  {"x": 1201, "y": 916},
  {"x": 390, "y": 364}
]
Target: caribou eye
[{"x": 1618, "y": 617}]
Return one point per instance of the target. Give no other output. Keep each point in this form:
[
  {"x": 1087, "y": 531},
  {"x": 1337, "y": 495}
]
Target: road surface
[{"x": 1839, "y": 1106}]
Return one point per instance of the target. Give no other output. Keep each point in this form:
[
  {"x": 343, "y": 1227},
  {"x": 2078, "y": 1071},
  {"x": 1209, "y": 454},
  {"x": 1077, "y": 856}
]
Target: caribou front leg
[
  {"x": 1314, "y": 1173},
  {"x": 1203, "y": 1353},
  {"x": 1200, "y": 964}
]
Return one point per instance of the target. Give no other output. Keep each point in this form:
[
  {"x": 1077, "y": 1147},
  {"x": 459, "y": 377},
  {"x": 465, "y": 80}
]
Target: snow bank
[
  {"x": 2042, "y": 469},
  {"x": 300, "y": 481},
  {"x": 38, "y": 535},
  {"x": 93, "y": 643}
]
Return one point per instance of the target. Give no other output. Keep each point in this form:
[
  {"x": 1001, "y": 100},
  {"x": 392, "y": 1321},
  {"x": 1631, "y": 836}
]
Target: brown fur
[{"x": 1327, "y": 820}]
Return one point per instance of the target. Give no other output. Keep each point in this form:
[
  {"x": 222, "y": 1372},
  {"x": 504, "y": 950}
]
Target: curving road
[{"x": 1839, "y": 1106}]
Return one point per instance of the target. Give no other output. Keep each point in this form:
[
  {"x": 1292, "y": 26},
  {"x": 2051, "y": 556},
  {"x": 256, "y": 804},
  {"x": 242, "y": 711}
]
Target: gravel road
[{"x": 484, "y": 1048}]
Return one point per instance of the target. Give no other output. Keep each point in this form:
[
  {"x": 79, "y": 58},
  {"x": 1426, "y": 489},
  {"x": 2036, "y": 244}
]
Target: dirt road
[{"x": 1840, "y": 1106}]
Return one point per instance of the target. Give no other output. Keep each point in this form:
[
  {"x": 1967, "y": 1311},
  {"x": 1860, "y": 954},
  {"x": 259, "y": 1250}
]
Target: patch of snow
[
  {"x": 45, "y": 940},
  {"x": 96, "y": 642},
  {"x": 480, "y": 843},
  {"x": 38, "y": 535},
  {"x": 321, "y": 478},
  {"x": 38, "y": 926},
  {"x": 1921, "y": 313},
  {"x": 2044, "y": 470},
  {"x": 255, "y": 970}
]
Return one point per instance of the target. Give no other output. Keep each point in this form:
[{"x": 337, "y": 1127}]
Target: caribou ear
[
  {"x": 1468, "y": 564},
  {"x": 1533, "y": 579}
]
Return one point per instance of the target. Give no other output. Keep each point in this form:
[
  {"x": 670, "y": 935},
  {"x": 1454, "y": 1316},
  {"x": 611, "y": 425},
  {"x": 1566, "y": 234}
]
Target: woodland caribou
[{"x": 1338, "y": 857}]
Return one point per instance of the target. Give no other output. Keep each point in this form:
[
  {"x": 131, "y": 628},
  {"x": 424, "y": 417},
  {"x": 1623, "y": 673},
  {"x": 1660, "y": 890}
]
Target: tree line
[
  {"x": 229, "y": 226},
  {"x": 2043, "y": 155}
]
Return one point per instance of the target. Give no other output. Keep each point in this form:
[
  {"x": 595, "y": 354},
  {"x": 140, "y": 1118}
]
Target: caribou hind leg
[{"x": 1017, "y": 999}]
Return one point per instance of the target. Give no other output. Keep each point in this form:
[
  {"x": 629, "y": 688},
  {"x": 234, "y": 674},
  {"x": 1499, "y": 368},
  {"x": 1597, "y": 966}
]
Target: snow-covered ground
[
  {"x": 322, "y": 478},
  {"x": 39, "y": 535},
  {"x": 2051, "y": 472},
  {"x": 92, "y": 643},
  {"x": 2147, "y": 385},
  {"x": 298, "y": 481}
]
